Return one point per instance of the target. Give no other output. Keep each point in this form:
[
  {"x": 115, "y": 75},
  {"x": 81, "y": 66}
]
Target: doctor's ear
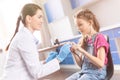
[{"x": 28, "y": 18}]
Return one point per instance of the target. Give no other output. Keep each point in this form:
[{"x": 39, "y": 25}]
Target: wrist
[{"x": 58, "y": 60}]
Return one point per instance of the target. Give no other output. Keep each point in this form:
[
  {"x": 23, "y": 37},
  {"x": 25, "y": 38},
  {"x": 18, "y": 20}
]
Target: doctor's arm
[{"x": 30, "y": 56}]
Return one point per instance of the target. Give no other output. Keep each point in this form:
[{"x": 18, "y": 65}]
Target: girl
[{"x": 91, "y": 52}]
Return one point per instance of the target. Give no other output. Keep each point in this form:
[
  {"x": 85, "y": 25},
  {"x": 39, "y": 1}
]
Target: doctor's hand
[
  {"x": 51, "y": 56},
  {"x": 64, "y": 51}
]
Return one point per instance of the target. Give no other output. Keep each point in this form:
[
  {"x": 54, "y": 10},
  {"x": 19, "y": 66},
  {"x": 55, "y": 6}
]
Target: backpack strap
[
  {"x": 110, "y": 66},
  {"x": 93, "y": 40}
]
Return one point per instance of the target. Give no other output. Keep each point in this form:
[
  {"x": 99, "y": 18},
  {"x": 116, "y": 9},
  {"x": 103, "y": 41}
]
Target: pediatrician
[{"x": 23, "y": 61}]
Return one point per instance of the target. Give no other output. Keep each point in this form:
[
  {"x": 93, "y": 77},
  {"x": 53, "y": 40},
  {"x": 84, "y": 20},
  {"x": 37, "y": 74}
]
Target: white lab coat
[{"x": 23, "y": 60}]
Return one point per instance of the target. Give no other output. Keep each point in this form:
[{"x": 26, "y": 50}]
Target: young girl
[
  {"x": 23, "y": 60},
  {"x": 90, "y": 54}
]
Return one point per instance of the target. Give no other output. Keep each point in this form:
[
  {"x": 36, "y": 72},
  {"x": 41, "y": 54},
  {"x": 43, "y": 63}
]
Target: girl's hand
[
  {"x": 73, "y": 47},
  {"x": 72, "y": 50},
  {"x": 79, "y": 48}
]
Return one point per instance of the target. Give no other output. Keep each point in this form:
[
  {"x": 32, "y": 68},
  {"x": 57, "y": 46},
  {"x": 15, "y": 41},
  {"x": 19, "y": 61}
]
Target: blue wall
[
  {"x": 53, "y": 10},
  {"x": 79, "y": 3}
]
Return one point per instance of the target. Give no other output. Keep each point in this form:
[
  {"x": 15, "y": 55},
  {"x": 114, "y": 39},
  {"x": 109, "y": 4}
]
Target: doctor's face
[
  {"x": 37, "y": 20},
  {"x": 83, "y": 25}
]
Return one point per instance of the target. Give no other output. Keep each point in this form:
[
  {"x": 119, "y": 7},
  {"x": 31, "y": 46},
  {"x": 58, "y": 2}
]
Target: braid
[{"x": 84, "y": 42}]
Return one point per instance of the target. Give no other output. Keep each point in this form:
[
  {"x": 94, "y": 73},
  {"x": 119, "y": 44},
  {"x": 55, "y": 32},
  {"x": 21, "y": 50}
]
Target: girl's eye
[
  {"x": 40, "y": 17},
  {"x": 79, "y": 25}
]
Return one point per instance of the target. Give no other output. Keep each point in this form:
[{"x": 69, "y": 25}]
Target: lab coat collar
[{"x": 30, "y": 33}]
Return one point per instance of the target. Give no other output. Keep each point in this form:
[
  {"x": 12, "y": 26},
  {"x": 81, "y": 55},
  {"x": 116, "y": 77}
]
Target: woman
[
  {"x": 91, "y": 52},
  {"x": 23, "y": 60}
]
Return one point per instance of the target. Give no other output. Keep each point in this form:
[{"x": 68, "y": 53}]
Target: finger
[{"x": 73, "y": 43}]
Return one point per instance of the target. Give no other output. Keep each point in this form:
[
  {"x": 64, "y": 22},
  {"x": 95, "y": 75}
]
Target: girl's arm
[
  {"x": 99, "y": 60},
  {"x": 76, "y": 54},
  {"x": 77, "y": 58}
]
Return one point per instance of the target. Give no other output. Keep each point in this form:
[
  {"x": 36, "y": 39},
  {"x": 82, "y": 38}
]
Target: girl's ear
[{"x": 91, "y": 22}]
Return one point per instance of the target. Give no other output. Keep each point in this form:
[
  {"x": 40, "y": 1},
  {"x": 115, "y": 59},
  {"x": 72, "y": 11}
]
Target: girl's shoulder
[
  {"x": 101, "y": 37},
  {"x": 101, "y": 40}
]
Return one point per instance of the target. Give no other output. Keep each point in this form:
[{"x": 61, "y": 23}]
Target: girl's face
[
  {"x": 37, "y": 20},
  {"x": 83, "y": 25}
]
